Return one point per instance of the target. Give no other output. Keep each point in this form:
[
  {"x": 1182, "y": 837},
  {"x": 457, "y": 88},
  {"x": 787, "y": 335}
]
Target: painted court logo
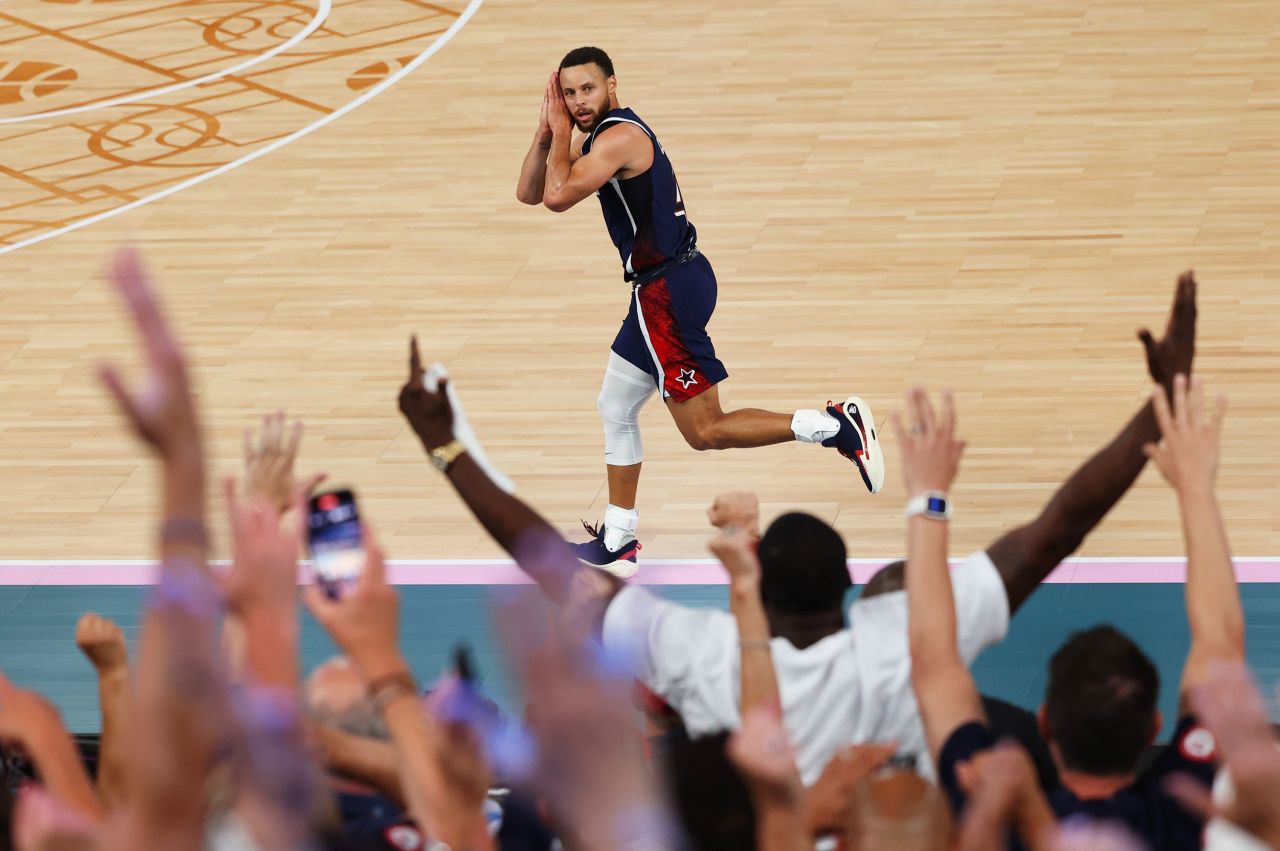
[{"x": 28, "y": 80}]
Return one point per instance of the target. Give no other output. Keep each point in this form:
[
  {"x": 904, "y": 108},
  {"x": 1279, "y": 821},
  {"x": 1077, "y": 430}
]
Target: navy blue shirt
[
  {"x": 1145, "y": 807},
  {"x": 644, "y": 214}
]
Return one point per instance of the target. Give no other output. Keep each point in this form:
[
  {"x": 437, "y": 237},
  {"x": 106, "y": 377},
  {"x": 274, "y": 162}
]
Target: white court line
[
  {"x": 322, "y": 12},
  {"x": 373, "y": 91}
]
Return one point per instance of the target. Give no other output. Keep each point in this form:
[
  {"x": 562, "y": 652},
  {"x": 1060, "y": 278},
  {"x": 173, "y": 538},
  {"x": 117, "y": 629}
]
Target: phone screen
[{"x": 336, "y": 540}]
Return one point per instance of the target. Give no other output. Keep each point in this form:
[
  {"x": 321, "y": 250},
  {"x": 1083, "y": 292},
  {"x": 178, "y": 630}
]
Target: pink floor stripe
[{"x": 1080, "y": 571}]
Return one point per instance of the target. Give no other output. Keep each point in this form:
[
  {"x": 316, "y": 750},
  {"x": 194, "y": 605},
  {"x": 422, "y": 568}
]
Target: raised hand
[
  {"x": 736, "y": 549},
  {"x": 557, "y": 113},
  {"x": 162, "y": 411},
  {"x": 429, "y": 414},
  {"x": 1188, "y": 454},
  {"x": 737, "y": 509},
  {"x": 101, "y": 640},
  {"x": 264, "y": 571},
  {"x": 930, "y": 451},
  {"x": 269, "y": 460},
  {"x": 1174, "y": 352},
  {"x": 544, "y": 126},
  {"x": 365, "y": 622}
]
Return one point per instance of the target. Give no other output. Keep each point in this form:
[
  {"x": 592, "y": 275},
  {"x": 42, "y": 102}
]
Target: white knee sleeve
[{"x": 626, "y": 388}]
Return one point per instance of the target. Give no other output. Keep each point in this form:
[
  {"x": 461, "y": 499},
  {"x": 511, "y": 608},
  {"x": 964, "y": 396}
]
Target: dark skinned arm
[
  {"x": 535, "y": 545},
  {"x": 1025, "y": 556}
]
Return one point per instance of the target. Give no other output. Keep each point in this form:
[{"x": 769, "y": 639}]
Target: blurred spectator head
[
  {"x": 1100, "y": 706},
  {"x": 897, "y": 808},
  {"x": 803, "y": 566},
  {"x": 337, "y": 695}
]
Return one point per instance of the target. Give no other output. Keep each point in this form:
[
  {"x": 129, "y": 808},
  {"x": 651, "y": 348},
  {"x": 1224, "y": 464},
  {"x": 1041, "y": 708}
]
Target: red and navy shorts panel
[{"x": 665, "y": 332}]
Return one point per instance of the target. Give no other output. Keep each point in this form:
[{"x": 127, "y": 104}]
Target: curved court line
[
  {"x": 373, "y": 91},
  {"x": 322, "y": 13}
]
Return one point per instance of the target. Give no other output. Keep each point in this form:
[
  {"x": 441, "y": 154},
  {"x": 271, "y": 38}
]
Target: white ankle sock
[
  {"x": 619, "y": 526},
  {"x": 811, "y": 426}
]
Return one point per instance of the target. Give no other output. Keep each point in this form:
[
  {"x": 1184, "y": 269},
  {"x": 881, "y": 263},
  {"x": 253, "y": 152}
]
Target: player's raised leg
[
  {"x": 672, "y": 313},
  {"x": 849, "y": 427}
]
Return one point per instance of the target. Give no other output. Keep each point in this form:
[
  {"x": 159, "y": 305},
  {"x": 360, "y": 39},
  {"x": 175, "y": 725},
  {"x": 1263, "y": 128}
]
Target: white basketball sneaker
[{"x": 857, "y": 440}]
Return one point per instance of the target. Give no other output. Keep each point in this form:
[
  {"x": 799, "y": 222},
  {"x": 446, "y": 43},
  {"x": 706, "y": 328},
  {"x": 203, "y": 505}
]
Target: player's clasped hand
[
  {"x": 429, "y": 414},
  {"x": 557, "y": 113},
  {"x": 544, "y": 124},
  {"x": 930, "y": 451},
  {"x": 1188, "y": 454}
]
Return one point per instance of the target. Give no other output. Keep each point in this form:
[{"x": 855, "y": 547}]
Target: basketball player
[{"x": 663, "y": 344}]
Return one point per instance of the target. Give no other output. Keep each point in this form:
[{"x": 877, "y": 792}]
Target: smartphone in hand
[{"x": 336, "y": 540}]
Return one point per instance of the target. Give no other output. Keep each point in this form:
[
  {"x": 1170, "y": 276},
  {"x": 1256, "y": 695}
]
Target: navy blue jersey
[
  {"x": 1146, "y": 807},
  {"x": 644, "y": 214}
]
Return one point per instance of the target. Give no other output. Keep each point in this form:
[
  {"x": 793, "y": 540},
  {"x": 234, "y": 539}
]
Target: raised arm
[
  {"x": 535, "y": 545},
  {"x": 179, "y": 714},
  {"x": 760, "y": 748},
  {"x": 261, "y": 587},
  {"x": 570, "y": 180},
  {"x": 1026, "y": 555},
  {"x": 736, "y": 515},
  {"x": 533, "y": 171},
  {"x": 163, "y": 415},
  {"x": 945, "y": 689},
  {"x": 102, "y": 642},
  {"x": 1188, "y": 460}
]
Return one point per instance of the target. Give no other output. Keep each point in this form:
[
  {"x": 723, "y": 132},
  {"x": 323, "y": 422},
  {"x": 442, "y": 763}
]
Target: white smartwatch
[{"x": 931, "y": 504}]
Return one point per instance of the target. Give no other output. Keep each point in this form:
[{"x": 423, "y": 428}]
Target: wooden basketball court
[{"x": 984, "y": 194}]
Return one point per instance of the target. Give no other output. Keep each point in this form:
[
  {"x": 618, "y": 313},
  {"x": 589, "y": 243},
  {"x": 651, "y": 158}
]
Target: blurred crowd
[{"x": 809, "y": 714}]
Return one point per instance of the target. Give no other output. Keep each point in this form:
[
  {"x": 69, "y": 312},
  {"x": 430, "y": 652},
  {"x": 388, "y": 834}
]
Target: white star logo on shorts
[{"x": 687, "y": 377}]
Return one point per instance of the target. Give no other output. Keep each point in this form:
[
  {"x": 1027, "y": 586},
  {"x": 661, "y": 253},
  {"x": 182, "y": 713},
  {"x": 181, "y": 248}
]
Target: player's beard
[{"x": 593, "y": 121}]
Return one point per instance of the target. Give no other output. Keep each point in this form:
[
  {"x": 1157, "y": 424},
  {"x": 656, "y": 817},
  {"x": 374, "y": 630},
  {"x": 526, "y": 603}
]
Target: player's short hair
[
  {"x": 585, "y": 55},
  {"x": 1101, "y": 701},
  {"x": 803, "y": 567}
]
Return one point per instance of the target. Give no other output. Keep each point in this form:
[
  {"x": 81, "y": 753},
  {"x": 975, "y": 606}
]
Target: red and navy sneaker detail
[
  {"x": 620, "y": 562},
  {"x": 857, "y": 440}
]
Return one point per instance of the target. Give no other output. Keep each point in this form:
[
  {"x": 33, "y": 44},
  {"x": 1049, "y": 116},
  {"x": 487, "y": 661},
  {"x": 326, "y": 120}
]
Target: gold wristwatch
[{"x": 442, "y": 457}]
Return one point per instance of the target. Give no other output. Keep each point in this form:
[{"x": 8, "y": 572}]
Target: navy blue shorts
[{"x": 665, "y": 332}]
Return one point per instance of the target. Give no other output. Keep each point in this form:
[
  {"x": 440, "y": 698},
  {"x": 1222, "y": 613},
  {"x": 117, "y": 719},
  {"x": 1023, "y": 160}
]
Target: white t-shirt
[{"x": 852, "y": 687}]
